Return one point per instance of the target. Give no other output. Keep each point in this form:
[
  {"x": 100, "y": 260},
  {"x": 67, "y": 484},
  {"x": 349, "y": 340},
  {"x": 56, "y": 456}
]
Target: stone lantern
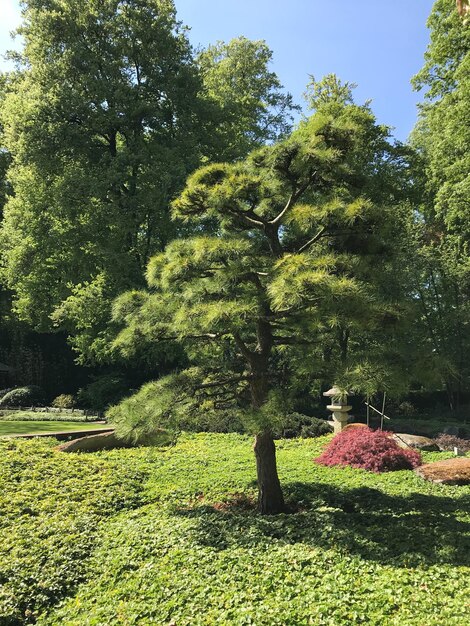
[{"x": 339, "y": 407}]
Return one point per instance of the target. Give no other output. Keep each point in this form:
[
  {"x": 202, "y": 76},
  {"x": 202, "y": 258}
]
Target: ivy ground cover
[{"x": 169, "y": 536}]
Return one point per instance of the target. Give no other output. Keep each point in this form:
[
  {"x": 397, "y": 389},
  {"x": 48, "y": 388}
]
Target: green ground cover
[
  {"x": 18, "y": 427},
  {"x": 168, "y": 536}
]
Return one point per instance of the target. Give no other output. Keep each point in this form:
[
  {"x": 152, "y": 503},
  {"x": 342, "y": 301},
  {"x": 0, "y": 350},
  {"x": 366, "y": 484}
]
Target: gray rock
[
  {"x": 93, "y": 443},
  {"x": 416, "y": 442}
]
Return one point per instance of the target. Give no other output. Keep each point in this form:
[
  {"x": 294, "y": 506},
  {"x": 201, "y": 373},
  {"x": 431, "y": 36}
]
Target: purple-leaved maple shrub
[{"x": 372, "y": 450}]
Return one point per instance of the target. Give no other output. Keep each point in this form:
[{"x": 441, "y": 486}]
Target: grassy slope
[
  {"x": 363, "y": 549},
  {"x": 18, "y": 427}
]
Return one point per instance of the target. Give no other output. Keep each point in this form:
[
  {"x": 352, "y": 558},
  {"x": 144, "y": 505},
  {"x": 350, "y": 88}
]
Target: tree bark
[{"x": 270, "y": 497}]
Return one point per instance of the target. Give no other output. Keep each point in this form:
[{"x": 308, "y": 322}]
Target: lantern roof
[{"x": 335, "y": 392}]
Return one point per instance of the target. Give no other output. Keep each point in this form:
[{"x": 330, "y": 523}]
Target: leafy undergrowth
[{"x": 154, "y": 536}]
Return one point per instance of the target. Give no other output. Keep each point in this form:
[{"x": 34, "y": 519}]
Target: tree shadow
[{"x": 403, "y": 531}]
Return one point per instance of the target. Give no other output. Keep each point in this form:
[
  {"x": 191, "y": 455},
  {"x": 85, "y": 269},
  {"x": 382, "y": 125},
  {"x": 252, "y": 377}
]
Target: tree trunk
[{"x": 270, "y": 498}]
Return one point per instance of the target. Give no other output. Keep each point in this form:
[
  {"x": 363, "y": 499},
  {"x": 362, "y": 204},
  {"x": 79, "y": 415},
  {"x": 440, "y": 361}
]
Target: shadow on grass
[{"x": 400, "y": 531}]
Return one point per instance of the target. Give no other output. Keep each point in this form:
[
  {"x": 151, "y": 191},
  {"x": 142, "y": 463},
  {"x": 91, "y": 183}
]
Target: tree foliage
[
  {"x": 250, "y": 103},
  {"x": 105, "y": 116},
  {"x": 101, "y": 122},
  {"x": 442, "y": 137}
]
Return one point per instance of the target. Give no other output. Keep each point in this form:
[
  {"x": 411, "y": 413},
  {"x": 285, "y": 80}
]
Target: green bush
[
  {"x": 64, "y": 401},
  {"x": 30, "y": 395},
  {"x": 102, "y": 392},
  {"x": 315, "y": 428},
  {"x": 46, "y": 416},
  {"x": 299, "y": 425},
  {"x": 407, "y": 409},
  {"x": 3, "y": 392}
]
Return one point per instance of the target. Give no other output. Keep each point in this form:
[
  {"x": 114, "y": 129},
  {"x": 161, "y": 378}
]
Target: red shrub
[
  {"x": 373, "y": 450},
  {"x": 449, "y": 442}
]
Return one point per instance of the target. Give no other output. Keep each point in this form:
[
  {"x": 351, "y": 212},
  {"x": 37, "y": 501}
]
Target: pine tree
[{"x": 288, "y": 251}]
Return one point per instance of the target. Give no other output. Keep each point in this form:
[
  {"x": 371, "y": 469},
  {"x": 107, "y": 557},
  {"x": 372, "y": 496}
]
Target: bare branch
[
  {"x": 312, "y": 240},
  {"x": 292, "y": 198}
]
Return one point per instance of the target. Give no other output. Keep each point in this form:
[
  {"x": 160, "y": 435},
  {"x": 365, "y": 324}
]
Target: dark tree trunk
[{"x": 270, "y": 498}]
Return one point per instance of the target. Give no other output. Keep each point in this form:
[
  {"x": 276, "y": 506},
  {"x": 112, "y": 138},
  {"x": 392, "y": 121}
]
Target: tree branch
[
  {"x": 249, "y": 221},
  {"x": 221, "y": 383},
  {"x": 243, "y": 347},
  {"x": 293, "y": 341},
  {"x": 295, "y": 195},
  {"x": 312, "y": 240}
]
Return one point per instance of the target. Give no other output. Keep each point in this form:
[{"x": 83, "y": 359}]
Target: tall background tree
[
  {"x": 104, "y": 117},
  {"x": 100, "y": 120},
  {"x": 43, "y": 360},
  {"x": 304, "y": 243},
  {"x": 249, "y": 103},
  {"x": 442, "y": 137}
]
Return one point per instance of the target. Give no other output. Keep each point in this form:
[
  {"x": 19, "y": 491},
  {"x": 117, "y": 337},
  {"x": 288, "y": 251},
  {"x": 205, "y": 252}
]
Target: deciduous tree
[
  {"x": 442, "y": 137},
  {"x": 104, "y": 118},
  {"x": 251, "y": 106}
]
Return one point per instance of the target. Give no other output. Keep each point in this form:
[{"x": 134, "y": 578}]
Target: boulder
[
  {"x": 449, "y": 472},
  {"x": 355, "y": 425},
  {"x": 417, "y": 442},
  {"x": 93, "y": 443}
]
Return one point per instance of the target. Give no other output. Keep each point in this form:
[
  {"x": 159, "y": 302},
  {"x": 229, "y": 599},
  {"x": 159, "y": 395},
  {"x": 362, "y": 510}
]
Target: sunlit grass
[{"x": 19, "y": 427}]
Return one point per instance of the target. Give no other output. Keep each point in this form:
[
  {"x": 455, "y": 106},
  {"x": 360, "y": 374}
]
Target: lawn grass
[
  {"x": 168, "y": 536},
  {"x": 18, "y": 427}
]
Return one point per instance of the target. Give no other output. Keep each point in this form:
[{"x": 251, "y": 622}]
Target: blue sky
[{"x": 375, "y": 43}]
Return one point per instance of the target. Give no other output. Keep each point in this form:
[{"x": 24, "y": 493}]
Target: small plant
[
  {"x": 372, "y": 450},
  {"x": 449, "y": 442},
  {"x": 64, "y": 401},
  {"x": 30, "y": 395}
]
